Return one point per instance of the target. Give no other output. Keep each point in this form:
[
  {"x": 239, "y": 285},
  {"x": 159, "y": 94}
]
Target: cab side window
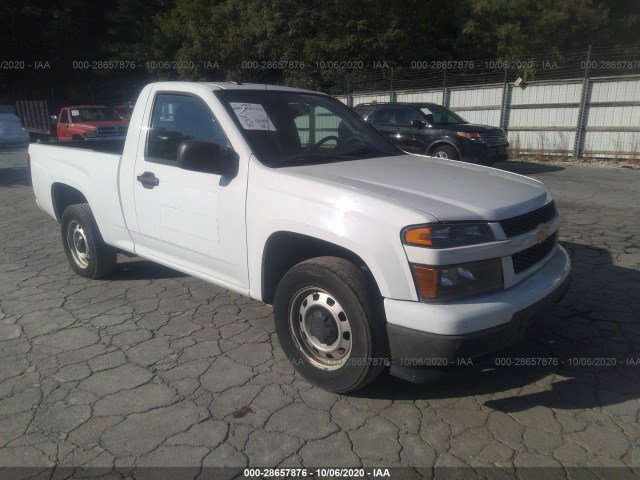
[
  {"x": 64, "y": 117},
  {"x": 176, "y": 118},
  {"x": 405, "y": 115},
  {"x": 384, "y": 116}
]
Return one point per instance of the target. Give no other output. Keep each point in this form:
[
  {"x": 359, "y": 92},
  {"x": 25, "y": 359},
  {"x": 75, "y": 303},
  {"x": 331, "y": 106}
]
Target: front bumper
[
  {"x": 420, "y": 354},
  {"x": 484, "y": 154},
  {"x": 104, "y": 138}
]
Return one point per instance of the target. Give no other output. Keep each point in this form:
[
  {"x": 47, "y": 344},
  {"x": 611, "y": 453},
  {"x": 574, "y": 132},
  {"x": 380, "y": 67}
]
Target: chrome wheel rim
[
  {"x": 441, "y": 154},
  {"x": 78, "y": 244},
  {"x": 320, "y": 328}
]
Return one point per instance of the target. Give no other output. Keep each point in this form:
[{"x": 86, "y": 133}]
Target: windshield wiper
[
  {"x": 360, "y": 151},
  {"x": 336, "y": 157},
  {"x": 300, "y": 158}
]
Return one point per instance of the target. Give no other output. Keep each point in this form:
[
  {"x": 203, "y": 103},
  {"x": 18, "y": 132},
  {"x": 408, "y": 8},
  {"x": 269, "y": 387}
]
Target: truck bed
[
  {"x": 35, "y": 116},
  {"x": 89, "y": 168},
  {"x": 103, "y": 146}
]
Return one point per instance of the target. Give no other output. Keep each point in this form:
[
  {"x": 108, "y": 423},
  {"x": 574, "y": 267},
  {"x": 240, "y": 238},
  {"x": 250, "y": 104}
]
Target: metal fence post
[
  {"x": 349, "y": 96},
  {"x": 444, "y": 87},
  {"x": 505, "y": 93},
  {"x": 580, "y": 127},
  {"x": 392, "y": 93}
]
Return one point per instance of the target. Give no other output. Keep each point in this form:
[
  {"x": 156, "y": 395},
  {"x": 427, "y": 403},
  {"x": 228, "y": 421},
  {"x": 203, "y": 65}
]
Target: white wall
[{"x": 544, "y": 115}]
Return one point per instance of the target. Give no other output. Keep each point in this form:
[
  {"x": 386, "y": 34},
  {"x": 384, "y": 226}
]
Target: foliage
[
  {"x": 215, "y": 39},
  {"x": 520, "y": 28}
]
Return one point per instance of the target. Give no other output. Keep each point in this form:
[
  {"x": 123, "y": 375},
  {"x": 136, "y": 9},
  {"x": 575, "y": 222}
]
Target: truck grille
[
  {"x": 112, "y": 131},
  {"x": 532, "y": 255},
  {"x": 529, "y": 221},
  {"x": 495, "y": 138}
]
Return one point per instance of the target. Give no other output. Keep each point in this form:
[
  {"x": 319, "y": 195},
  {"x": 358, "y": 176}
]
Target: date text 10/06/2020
[
  {"x": 316, "y": 473},
  {"x": 497, "y": 361},
  {"x": 404, "y": 361}
]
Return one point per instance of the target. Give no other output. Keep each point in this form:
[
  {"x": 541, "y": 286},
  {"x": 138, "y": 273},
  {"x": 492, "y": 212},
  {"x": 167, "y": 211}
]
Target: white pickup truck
[{"x": 371, "y": 257}]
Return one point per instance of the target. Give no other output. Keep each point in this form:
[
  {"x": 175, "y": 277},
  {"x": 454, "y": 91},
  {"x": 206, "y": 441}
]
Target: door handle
[{"x": 148, "y": 180}]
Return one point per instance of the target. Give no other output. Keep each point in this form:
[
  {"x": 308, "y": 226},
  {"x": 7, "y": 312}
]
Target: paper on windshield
[
  {"x": 252, "y": 116},
  {"x": 426, "y": 111},
  {"x": 75, "y": 113}
]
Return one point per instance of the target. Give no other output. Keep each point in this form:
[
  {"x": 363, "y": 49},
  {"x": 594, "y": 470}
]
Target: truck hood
[
  {"x": 446, "y": 189},
  {"x": 102, "y": 123}
]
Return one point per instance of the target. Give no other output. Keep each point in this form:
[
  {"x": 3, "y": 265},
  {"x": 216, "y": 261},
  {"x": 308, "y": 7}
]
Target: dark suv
[{"x": 434, "y": 130}]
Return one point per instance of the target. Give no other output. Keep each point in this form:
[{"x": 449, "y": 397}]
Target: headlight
[
  {"x": 446, "y": 235},
  {"x": 475, "y": 136},
  {"x": 90, "y": 134},
  {"x": 455, "y": 281}
]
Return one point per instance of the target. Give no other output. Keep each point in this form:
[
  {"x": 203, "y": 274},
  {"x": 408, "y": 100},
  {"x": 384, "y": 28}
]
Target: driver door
[
  {"x": 62, "y": 128},
  {"x": 190, "y": 220},
  {"x": 409, "y": 135}
]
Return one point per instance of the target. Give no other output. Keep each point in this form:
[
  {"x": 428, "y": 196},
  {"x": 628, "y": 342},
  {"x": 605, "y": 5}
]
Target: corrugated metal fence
[{"x": 585, "y": 117}]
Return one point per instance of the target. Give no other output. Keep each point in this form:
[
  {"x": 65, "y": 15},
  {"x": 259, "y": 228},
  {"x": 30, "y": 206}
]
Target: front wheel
[
  {"x": 86, "y": 251},
  {"x": 329, "y": 324},
  {"x": 445, "y": 151}
]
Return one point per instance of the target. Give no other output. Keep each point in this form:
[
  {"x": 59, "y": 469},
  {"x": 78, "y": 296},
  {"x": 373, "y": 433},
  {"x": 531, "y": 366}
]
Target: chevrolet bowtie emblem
[{"x": 542, "y": 234}]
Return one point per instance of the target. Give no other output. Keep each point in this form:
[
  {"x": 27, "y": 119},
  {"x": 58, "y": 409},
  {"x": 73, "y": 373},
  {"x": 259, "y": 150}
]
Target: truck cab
[{"x": 84, "y": 122}]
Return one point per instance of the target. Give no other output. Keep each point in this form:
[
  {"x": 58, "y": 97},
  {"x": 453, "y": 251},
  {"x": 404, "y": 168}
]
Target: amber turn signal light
[
  {"x": 418, "y": 236},
  {"x": 427, "y": 280}
]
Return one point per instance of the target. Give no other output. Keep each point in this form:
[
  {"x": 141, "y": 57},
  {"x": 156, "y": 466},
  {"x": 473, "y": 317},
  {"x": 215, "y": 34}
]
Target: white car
[{"x": 371, "y": 257}]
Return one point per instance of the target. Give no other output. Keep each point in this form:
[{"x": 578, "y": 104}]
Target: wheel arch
[
  {"x": 62, "y": 196},
  {"x": 443, "y": 142},
  {"x": 284, "y": 249}
]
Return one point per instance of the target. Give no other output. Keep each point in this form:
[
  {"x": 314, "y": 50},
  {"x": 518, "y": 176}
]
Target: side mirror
[
  {"x": 417, "y": 124},
  {"x": 54, "y": 120},
  {"x": 207, "y": 157}
]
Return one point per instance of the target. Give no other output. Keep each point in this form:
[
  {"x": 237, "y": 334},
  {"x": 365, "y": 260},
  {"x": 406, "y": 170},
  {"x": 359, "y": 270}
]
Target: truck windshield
[
  {"x": 93, "y": 114},
  {"x": 286, "y": 128}
]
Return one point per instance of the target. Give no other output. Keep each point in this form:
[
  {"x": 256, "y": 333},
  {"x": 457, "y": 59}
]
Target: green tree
[{"x": 520, "y": 28}]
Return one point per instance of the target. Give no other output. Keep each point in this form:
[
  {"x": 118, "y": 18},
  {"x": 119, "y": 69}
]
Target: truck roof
[
  {"x": 235, "y": 86},
  {"x": 86, "y": 106},
  {"x": 402, "y": 104}
]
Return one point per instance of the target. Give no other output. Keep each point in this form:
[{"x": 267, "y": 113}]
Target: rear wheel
[
  {"x": 445, "y": 151},
  {"x": 329, "y": 324},
  {"x": 86, "y": 252}
]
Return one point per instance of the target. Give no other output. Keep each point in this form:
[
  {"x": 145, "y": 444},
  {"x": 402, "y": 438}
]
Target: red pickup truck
[{"x": 73, "y": 123}]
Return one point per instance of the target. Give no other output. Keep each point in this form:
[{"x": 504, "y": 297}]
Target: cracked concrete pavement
[{"x": 154, "y": 368}]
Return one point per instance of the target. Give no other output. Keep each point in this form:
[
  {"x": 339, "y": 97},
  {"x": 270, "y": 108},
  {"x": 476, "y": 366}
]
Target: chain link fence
[{"x": 581, "y": 104}]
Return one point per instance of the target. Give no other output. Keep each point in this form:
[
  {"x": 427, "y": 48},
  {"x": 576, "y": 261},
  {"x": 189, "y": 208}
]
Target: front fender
[{"x": 367, "y": 225}]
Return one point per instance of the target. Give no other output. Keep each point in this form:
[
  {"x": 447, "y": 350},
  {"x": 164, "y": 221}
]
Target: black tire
[
  {"x": 445, "y": 151},
  {"x": 333, "y": 298},
  {"x": 86, "y": 251}
]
